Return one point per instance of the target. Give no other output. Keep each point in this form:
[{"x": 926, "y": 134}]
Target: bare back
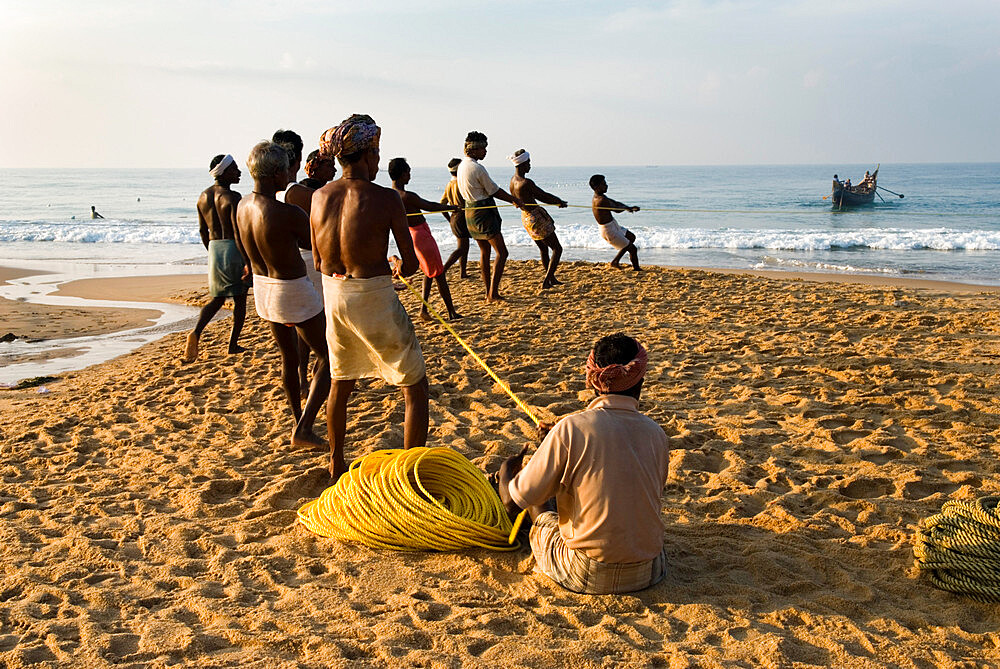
[
  {"x": 524, "y": 188},
  {"x": 299, "y": 195},
  {"x": 351, "y": 221},
  {"x": 217, "y": 213},
  {"x": 271, "y": 232}
]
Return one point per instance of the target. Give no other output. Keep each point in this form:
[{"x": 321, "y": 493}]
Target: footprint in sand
[
  {"x": 842, "y": 437},
  {"x": 922, "y": 489},
  {"x": 865, "y": 488}
]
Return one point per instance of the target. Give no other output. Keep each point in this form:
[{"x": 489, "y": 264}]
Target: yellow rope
[
  {"x": 959, "y": 548},
  {"x": 415, "y": 499},
  {"x": 482, "y": 363},
  {"x": 453, "y": 506}
]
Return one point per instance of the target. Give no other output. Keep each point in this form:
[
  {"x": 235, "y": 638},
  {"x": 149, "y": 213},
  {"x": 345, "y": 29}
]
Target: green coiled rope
[{"x": 959, "y": 548}]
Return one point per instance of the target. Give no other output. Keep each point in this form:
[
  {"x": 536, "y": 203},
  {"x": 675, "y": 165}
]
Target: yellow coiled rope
[
  {"x": 452, "y": 507},
  {"x": 959, "y": 548},
  {"x": 416, "y": 499}
]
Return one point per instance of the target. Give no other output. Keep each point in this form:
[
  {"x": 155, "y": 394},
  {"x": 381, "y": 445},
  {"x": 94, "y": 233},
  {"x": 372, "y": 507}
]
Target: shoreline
[{"x": 51, "y": 339}]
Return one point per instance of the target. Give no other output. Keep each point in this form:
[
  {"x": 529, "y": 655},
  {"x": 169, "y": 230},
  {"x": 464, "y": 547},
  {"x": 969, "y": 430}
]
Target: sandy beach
[{"x": 147, "y": 506}]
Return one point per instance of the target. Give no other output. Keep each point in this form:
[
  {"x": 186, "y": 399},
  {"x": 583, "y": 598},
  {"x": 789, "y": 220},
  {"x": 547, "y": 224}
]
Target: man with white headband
[
  {"x": 535, "y": 219},
  {"x": 227, "y": 265},
  {"x": 593, "y": 486}
]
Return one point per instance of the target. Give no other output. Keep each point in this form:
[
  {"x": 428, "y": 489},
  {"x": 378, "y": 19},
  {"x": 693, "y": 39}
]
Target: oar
[
  {"x": 889, "y": 191},
  {"x": 880, "y": 196}
]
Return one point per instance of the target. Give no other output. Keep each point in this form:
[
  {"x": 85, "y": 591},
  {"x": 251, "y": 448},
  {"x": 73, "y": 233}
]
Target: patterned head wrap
[
  {"x": 355, "y": 134},
  {"x": 616, "y": 378},
  {"x": 223, "y": 165},
  {"x": 313, "y": 163}
]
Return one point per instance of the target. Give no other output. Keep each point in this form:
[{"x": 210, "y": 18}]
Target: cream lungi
[
  {"x": 614, "y": 234},
  {"x": 369, "y": 333},
  {"x": 287, "y": 301}
]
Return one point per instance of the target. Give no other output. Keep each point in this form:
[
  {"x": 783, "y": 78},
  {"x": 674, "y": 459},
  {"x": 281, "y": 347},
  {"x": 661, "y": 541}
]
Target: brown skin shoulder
[
  {"x": 271, "y": 231},
  {"x": 604, "y": 206},
  {"x": 217, "y": 208},
  {"x": 300, "y": 196},
  {"x": 414, "y": 204},
  {"x": 528, "y": 191},
  {"x": 351, "y": 221}
]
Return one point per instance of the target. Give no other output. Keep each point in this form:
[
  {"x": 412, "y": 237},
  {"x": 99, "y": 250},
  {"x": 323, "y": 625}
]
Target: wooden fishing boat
[{"x": 854, "y": 196}]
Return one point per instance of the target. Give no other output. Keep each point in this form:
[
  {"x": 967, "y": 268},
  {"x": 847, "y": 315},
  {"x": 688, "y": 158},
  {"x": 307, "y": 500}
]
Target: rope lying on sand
[
  {"x": 375, "y": 502},
  {"x": 959, "y": 548},
  {"x": 416, "y": 499}
]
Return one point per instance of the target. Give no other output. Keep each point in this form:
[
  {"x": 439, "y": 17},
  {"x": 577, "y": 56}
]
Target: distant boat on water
[{"x": 846, "y": 195}]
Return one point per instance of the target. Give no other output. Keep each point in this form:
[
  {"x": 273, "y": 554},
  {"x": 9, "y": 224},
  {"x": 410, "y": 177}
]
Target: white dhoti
[
  {"x": 369, "y": 333},
  {"x": 311, "y": 271},
  {"x": 614, "y": 234},
  {"x": 287, "y": 301}
]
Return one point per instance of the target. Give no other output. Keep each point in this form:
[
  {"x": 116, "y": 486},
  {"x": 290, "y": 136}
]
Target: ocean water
[{"x": 947, "y": 227}]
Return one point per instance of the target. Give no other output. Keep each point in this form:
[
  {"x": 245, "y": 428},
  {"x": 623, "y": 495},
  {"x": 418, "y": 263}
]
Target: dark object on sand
[
  {"x": 7, "y": 338},
  {"x": 854, "y": 196},
  {"x": 35, "y": 381}
]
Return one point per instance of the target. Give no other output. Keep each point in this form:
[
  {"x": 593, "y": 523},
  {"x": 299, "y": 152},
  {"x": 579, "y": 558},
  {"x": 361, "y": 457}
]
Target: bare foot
[
  {"x": 308, "y": 439},
  {"x": 454, "y": 316},
  {"x": 426, "y": 315},
  {"x": 337, "y": 468},
  {"x": 236, "y": 349},
  {"x": 616, "y": 265},
  {"x": 191, "y": 350},
  {"x": 490, "y": 299},
  {"x": 463, "y": 276},
  {"x": 555, "y": 282}
]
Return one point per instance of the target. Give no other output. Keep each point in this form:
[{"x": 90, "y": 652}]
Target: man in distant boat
[{"x": 227, "y": 265}]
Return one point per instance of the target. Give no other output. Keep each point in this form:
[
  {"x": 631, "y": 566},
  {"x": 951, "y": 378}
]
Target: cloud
[{"x": 812, "y": 78}]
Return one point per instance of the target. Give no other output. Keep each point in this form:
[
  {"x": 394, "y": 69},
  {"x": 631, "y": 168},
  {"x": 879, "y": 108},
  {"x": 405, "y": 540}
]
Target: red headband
[{"x": 615, "y": 378}]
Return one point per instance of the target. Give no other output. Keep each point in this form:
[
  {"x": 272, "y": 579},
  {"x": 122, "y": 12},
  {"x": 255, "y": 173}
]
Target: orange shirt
[{"x": 606, "y": 467}]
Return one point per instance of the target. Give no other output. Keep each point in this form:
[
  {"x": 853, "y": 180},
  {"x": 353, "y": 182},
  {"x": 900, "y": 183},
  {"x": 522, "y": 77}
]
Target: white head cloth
[
  {"x": 223, "y": 165},
  {"x": 517, "y": 160}
]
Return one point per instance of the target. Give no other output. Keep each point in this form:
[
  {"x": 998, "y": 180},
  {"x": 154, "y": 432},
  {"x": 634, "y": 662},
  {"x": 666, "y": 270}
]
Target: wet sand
[{"x": 147, "y": 506}]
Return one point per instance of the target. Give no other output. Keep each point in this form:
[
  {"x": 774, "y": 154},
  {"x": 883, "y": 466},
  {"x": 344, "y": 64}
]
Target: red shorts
[{"x": 427, "y": 250}]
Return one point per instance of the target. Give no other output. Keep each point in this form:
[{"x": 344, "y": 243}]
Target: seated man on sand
[
  {"x": 605, "y": 467},
  {"x": 424, "y": 245},
  {"x": 284, "y": 296},
  {"x": 368, "y": 331}
]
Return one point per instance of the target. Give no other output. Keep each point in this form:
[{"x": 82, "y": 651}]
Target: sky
[{"x": 104, "y": 83}]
